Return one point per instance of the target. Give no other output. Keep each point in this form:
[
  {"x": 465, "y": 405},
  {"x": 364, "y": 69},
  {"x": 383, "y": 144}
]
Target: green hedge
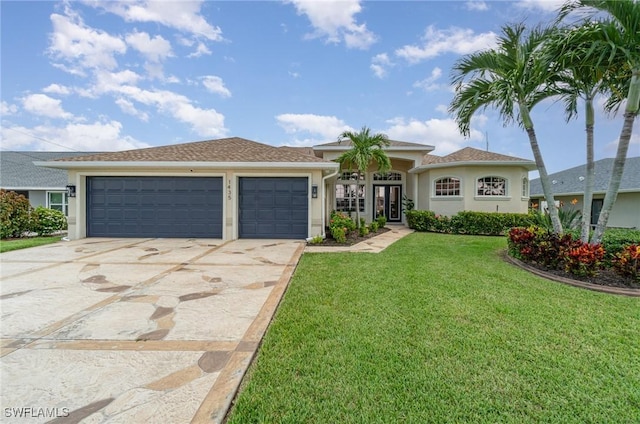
[
  {"x": 467, "y": 222},
  {"x": 15, "y": 212},
  {"x": 615, "y": 240}
]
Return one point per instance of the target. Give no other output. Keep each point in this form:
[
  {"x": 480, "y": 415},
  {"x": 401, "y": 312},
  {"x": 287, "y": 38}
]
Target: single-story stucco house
[
  {"x": 42, "y": 186},
  {"x": 568, "y": 190},
  {"x": 236, "y": 188}
]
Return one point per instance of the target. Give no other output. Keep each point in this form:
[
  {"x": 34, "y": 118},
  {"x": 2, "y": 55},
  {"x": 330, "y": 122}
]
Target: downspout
[{"x": 324, "y": 200}]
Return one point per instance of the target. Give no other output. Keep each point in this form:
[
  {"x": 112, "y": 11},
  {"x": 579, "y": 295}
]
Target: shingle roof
[
  {"x": 233, "y": 149},
  {"x": 469, "y": 154},
  {"x": 568, "y": 181},
  {"x": 18, "y": 171},
  {"x": 304, "y": 150}
]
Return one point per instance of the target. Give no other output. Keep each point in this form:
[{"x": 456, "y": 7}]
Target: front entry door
[{"x": 387, "y": 201}]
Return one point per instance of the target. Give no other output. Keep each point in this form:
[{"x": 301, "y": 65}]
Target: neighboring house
[
  {"x": 236, "y": 188},
  {"x": 42, "y": 186},
  {"x": 568, "y": 190}
]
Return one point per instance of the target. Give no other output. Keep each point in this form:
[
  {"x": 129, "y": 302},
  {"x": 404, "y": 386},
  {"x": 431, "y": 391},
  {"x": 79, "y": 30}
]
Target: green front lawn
[
  {"x": 438, "y": 328},
  {"x": 23, "y": 243}
]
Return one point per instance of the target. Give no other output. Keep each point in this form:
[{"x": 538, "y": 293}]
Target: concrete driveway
[{"x": 134, "y": 330}]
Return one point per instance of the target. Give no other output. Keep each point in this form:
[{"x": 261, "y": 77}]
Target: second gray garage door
[
  {"x": 154, "y": 207},
  {"x": 274, "y": 207}
]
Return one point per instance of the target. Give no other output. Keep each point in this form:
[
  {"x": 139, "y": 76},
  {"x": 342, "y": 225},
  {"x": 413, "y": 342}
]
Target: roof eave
[
  {"x": 529, "y": 165},
  {"x": 176, "y": 164},
  {"x": 581, "y": 193},
  {"x": 426, "y": 148}
]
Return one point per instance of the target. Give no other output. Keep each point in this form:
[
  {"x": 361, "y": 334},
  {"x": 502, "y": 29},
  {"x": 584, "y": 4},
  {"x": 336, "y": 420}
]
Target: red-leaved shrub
[{"x": 627, "y": 262}]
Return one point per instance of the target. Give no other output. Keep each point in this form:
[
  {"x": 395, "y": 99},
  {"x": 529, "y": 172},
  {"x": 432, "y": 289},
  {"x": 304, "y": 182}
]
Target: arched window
[
  {"x": 448, "y": 186},
  {"x": 389, "y": 176},
  {"x": 491, "y": 186}
]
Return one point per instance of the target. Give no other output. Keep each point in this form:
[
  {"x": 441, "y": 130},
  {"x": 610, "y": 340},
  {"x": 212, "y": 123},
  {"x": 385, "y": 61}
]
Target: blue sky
[{"x": 110, "y": 75}]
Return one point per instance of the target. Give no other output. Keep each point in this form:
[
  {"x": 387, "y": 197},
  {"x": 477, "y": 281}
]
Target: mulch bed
[
  {"x": 352, "y": 238},
  {"x": 606, "y": 281}
]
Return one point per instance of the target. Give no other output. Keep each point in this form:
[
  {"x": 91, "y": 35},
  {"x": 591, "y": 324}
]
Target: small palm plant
[{"x": 366, "y": 148}]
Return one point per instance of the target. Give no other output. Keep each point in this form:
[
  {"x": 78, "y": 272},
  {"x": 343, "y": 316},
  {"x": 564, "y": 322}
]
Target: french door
[{"x": 388, "y": 202}]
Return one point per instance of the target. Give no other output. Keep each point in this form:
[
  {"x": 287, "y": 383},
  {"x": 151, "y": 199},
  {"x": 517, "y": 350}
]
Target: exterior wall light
[{"x": 71, "y": 190}]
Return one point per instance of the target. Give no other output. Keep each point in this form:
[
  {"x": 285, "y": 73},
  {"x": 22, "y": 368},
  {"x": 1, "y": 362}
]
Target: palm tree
[
  {"x": 510, "y": 76},
  {"x": 620, "y": 35},
  {"x": 565, "y": 51},
  {"x": 366, "y": 148}
]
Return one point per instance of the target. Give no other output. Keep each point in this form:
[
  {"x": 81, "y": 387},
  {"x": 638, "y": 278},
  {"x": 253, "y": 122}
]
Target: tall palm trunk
[
  {"x": 542, "y": 169},
  {"x": 590, "y": 177},
  {"x": 630, "y": 114}
]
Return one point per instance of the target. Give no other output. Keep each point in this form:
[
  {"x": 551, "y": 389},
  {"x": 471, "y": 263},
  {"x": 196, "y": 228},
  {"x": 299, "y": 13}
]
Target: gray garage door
[
  {"x": 154, "y": 207},
  {"x": 274, "y": 208}
]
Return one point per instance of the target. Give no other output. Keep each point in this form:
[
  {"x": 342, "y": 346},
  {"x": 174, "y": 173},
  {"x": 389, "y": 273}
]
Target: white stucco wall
[{"x": 513, "y": 202}]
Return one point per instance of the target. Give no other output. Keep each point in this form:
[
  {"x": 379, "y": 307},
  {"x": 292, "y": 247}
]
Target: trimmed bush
[
  {"x": 46, "y": 221},
  {"x": 382, "y": 221},
  {"x": 15, "y": 212},
  {"x": 373, "y": 227},
  {"x": 467, "y": 222}
]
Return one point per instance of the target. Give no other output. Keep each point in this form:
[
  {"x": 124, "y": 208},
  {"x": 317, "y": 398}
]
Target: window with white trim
[
  {"x": 491, "y": 186},
  {"x": 448, "y": 186},
  {"x": 58, "y": 200},
  {"x": 525, "y": 187},
  {"x": 346, "y": 192},
  {"x": 346, "y": 197}
]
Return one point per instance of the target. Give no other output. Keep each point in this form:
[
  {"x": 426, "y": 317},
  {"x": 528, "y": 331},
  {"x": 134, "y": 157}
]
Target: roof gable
[
  {"x": 393, "y": 144},
  {"x": 470, "y": 155}
]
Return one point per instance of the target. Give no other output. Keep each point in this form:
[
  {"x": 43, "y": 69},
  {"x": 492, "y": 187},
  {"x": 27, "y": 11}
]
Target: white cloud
[
  {"x": 204, "y": 122},
  {"x": 476, "y": 5},
  {"x": 153, "y": 49},
  {"x": 442, "y": 133},
  {"x": 429, "y": 83},
  {"x": 7, "y": 109},
  {"x": 444, "y": 109},
  {"x": 215, "y": 85},
  {"x": 81, "y": 46},
  {"x": 453, "y": 40},
  {"x": 379, "y": 65},
  {"x": 107, "y": 82},
  {"x": 99, "y": 136},
  {"x": 334, "y": 19},
  {"x": 201, "y": 50},
  {"x": 184, "y": 16},
  {"x": 634, "y": 147},
  {"x": 57, "y": 89},
  {"x": 322, "y": 128},
  {"x": 43, "y": 105},
  {"x": 129, "y": 108},
  {"x": 546, "y": 6}
]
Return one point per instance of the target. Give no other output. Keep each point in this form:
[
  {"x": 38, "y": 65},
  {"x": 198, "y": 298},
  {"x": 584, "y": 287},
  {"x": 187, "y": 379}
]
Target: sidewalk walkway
[{"x": 373, "y": 245}]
